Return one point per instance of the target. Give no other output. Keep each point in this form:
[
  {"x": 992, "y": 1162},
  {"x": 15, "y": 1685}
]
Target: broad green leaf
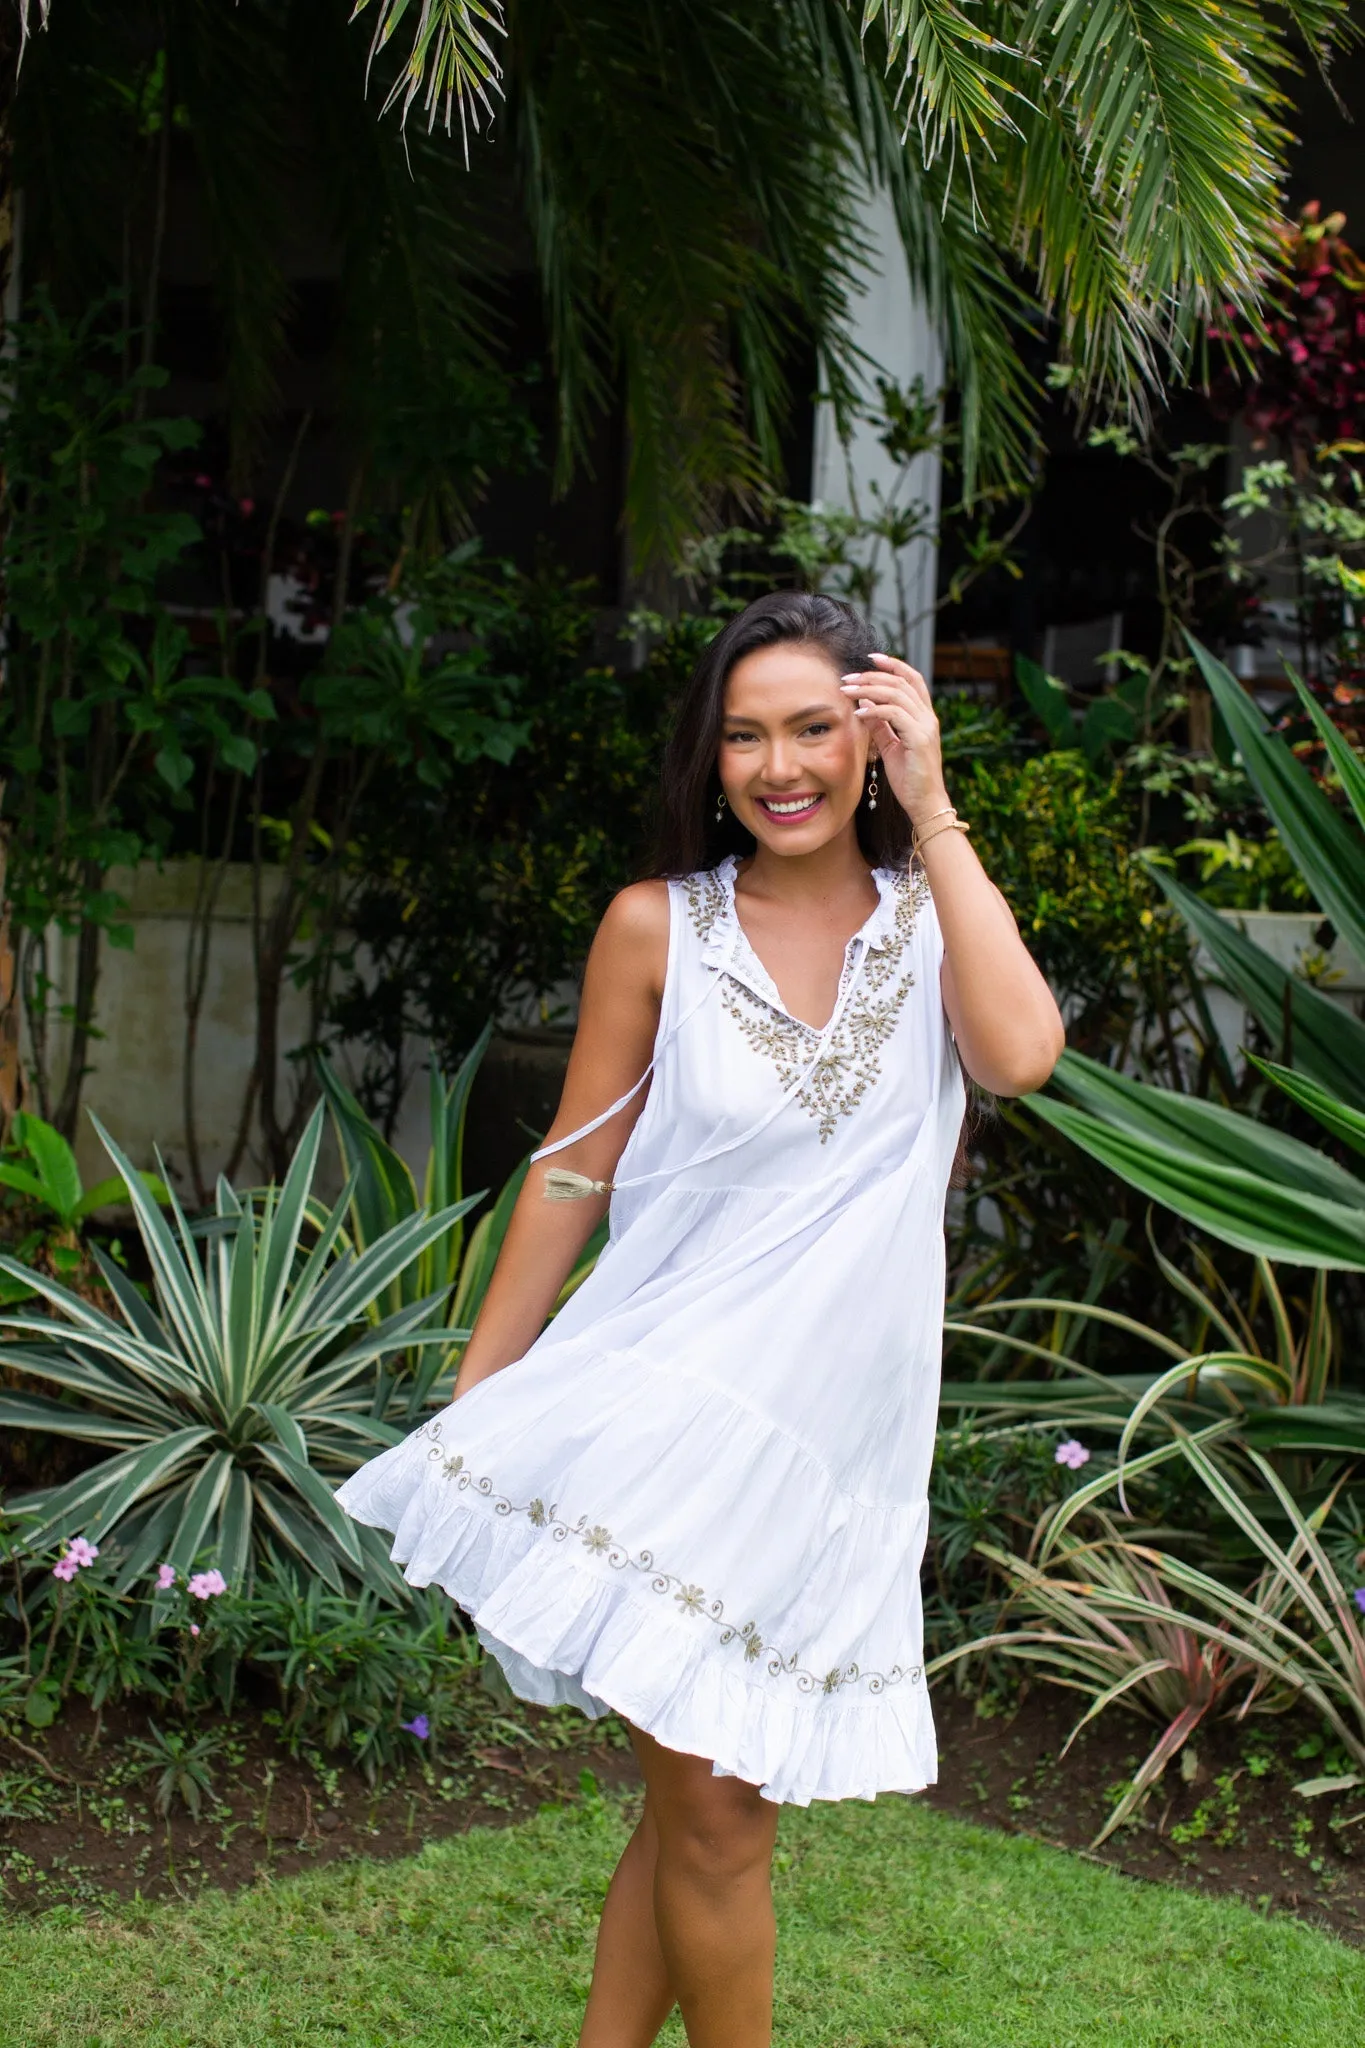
[
  {"x": 55, "y": 1160},
  {"x": 1328, "y": 851},
  {"x": 1203, "y": 1129},
  {"x": 1047, "y": 699},
  {"x": 1326, "y": 1040},
  {"x": 1333, "y": 1114},
  {"x": 101, "y": 1196},
  {"x": 24, "y": 1183},
  {"x": 1241, "y": 1208}
]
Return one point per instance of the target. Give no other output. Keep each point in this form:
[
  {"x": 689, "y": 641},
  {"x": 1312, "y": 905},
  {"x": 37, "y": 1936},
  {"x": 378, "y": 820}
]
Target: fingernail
[
  {"x": 851, "y": 679},
  {"x": 847, "y": 685}
]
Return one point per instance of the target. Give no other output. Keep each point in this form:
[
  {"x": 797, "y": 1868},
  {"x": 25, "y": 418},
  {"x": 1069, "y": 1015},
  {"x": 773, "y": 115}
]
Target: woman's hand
[{"x": 895, "y": 706}]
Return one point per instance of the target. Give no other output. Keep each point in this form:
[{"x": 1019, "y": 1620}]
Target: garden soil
[{"x": 77, "y": 1828}]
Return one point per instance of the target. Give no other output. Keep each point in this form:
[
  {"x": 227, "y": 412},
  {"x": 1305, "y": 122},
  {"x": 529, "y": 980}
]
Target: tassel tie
[{"x": 564, "y": 1185}]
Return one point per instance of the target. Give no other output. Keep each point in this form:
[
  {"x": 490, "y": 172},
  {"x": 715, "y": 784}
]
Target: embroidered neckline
[
  {"x": 850, "y": 1063},
  {"x": 691, "y": 1601}
]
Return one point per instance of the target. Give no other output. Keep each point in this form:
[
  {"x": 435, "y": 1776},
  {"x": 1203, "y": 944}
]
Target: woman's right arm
[{"x": 617, "y": 1021}]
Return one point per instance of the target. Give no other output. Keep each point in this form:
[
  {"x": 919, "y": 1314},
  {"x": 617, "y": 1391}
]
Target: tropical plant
[
  {"x": 50, "y": 1186},
  {"x": 181, "y": 1762},
  {"x": 231, "y": 1404},
  {"x": 1102, "y": 1621},
  {"x": 351, "y": 1668},
  {"x": 1121, "y": 1619},
  {"x": 1253, "y": 1186},
  {"x": 1131, "y": 163},
  {"x": 455, "y": 1266}
]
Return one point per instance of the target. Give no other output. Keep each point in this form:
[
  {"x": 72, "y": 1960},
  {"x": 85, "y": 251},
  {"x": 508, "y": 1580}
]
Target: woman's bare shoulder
[
  {"x": 632, "y": 939},
  {"x": 638, "y": 914}
]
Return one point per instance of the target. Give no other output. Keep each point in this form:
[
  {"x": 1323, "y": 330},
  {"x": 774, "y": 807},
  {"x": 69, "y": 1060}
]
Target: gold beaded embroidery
[
  {"x": 850, "y": 1063},
  {"x": 689, "y": 1599}
]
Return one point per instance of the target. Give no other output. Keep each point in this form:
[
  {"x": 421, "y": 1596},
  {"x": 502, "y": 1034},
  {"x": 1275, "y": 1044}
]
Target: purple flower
[
  {"x": 84, "y": 1553},
  {"x": 165, "y": 1577},
  {"x": 204, "y": 1585},
  {"x": 1359, "y": 1597},
  {"x": 419, "y": 1726},
  {"x": 65, "y": 1568},
  {"x": 1072, "y": 1453}
]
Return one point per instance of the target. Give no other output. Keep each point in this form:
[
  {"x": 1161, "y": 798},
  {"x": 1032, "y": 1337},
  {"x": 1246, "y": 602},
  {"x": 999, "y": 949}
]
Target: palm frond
[{"x": 451, "y": 65}]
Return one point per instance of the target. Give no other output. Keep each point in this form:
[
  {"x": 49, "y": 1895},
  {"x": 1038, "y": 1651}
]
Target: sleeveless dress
[{"x": 700, "y": 1498}]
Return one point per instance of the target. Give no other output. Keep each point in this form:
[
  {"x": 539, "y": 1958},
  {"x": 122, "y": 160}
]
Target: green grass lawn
[{"x": 899, "y": 1929}]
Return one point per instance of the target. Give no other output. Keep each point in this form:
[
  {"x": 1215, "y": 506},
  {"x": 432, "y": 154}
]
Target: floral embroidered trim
[
  {"x": 707, "y": 901},
  {"x": 690, "y": 1600},
  {"x": 849, "y": 1065}
]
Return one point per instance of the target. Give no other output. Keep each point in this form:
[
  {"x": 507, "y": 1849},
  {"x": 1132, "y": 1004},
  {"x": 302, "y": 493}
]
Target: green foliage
[
  {"x": 1057, "y": 838},
  {"x": 230, "y": 1407},
  {"x": 182, "y": 1764},
  {"x": 490, "y": 887},
  {"x": 456, "y": 1266},
  {"x": 1251, "y": 1186},
  {"x": 384, "y": 691},
  {"x": 351, "y": 1670}
]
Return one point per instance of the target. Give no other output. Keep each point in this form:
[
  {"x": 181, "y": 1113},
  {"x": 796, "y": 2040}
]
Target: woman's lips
[{"x": 794, "y": 809}]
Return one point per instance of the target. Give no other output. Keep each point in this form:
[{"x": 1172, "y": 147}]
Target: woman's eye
[
  {"x": 733, "y": 739},
  {"x": 817, "y": 726}
]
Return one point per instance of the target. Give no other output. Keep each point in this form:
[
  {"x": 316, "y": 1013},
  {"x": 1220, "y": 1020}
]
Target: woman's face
[{"x": 792, "y": 758}]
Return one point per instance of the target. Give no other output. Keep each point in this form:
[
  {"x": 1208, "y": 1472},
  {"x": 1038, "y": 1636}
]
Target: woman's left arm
[{"x": 1008, "y": 1028}]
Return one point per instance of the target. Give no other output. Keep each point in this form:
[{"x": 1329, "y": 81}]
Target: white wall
[
  {"x": 891, "y": 325},
  {"x": 137, "y": 1062}
]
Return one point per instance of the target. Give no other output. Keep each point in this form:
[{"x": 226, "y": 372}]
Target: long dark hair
[{"x": 689, "y": 837}]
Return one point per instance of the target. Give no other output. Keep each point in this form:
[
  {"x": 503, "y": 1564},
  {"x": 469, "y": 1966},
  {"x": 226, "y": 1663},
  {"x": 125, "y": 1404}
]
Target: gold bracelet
[
  {"x": 918, "y": 842},
  {"x": 947, "y": 808}
]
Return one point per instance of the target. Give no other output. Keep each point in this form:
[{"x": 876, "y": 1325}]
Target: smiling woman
[{"x": 700, "y": 1495}]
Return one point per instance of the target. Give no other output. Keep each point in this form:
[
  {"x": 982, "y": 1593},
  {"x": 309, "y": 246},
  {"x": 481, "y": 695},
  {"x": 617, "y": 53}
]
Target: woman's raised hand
[{"x": 893, "y": 702}]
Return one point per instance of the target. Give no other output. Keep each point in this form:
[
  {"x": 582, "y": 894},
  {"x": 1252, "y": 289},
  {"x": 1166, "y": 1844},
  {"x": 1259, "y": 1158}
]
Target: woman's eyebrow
[{"x": 796, "y": 718}]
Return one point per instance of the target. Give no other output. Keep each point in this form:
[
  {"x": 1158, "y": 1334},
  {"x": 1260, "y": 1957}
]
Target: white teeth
[{"x": 785, "y": 810}]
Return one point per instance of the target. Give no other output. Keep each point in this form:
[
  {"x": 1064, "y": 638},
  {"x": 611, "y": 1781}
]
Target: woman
[{"x": 699, "y": 1497}]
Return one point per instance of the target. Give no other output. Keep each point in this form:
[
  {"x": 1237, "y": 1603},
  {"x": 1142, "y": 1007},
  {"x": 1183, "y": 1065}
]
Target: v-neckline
[{"x": 768, "y": 989}]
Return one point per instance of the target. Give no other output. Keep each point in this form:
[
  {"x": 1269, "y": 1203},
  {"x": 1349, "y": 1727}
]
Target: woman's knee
[{"x": 718, "y": 1841}]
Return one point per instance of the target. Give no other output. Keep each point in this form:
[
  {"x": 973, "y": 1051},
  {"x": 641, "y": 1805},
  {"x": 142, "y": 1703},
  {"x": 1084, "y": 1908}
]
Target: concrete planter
[{"x": 1293, "y": 939}]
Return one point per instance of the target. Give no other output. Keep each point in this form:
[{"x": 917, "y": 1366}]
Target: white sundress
[{"x": 700, "y": 1498}]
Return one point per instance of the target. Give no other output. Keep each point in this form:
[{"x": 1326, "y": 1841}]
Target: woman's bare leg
[
  {"x": 713, "y": 1905},
  {"x": 631, "y": 1996}
]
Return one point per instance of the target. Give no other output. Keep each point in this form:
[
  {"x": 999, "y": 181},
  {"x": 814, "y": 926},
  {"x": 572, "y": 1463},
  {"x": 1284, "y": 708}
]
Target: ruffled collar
[{"x": 725, "y": 946}]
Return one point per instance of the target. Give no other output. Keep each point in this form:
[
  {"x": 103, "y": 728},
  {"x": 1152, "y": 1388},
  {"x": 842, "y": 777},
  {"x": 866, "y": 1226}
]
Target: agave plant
[
  {"x": 456, "y": 1264},
  {"x": 232, "y": 1403}
]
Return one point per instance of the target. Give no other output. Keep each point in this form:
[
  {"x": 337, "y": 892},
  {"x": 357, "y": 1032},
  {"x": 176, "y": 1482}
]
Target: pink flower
[
  {"x": 194, "y": 1628},
  {"x": 247, "y": 506},
  {"x": 1072, "y": 1453},
  {"x": 165, "y": 1577},
  {"x": 65, "y": 1568},
  {"x": 204, "y": 1585},
  {"x": 83, "y": 1552}
]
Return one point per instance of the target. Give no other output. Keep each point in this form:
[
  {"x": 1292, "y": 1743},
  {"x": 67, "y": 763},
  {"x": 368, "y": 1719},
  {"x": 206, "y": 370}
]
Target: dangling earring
[
  {"x": 872, "y": 788},
  {"x": 720, "y": 806}
]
